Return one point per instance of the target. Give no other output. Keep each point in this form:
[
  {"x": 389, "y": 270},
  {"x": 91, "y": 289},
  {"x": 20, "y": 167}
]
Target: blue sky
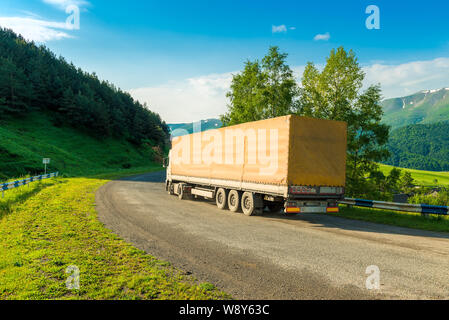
[{"x": 180, "y": 55}]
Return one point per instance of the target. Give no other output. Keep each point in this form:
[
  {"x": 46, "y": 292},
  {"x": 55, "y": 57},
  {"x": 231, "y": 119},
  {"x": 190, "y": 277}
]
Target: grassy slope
[
  {"x": 50, "y": 225},
  {"x": 425, "y": 178},
  {"x": 24, "y": 142}
]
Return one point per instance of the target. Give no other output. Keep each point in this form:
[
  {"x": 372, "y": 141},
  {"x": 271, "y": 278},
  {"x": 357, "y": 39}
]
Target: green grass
[
  {"x": 50, "y": 225},
  {"x": 396, "y": 218},
  {"x": 424, "y": 178},
  {"x": 25, "y": 141}
]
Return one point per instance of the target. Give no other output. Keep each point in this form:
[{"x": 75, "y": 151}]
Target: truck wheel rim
[
  {"x": 232, "y": 200},
  {"x": 247, "y": 203}
]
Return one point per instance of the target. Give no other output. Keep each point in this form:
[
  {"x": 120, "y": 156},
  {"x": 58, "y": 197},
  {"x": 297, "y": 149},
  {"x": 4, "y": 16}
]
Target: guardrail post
[
  {"x": 424, "y": 209},
  {"x": 19, "y": 183}
]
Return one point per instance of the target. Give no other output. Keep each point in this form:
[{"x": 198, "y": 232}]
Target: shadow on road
[
  {"x": 158, "y": 176},
  {"x": 341, "y": 223},
  {"x": 312, "y": 219}
]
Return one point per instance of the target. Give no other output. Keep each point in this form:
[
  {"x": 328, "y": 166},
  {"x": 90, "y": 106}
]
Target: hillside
[
  {"x": 175, "y": 129},
  {"x": 420, "y": 108},
  {"x": 50, "y": 108},
  {"x": 420, "y": 146},
  {"x": 421, "y": 177},
  {"x": 24, "y": 142}
]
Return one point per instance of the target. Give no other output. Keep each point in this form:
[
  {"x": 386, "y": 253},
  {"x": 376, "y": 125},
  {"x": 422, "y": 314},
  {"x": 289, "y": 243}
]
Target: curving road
[{"x": 274, "y": 257}]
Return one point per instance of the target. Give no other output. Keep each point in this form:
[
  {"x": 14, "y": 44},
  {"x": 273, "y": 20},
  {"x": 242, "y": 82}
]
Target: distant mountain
[
  {"x": 420, "y": 146},
  {"x": 180, "y": 129},
  {"x": 427, "y": 106}
]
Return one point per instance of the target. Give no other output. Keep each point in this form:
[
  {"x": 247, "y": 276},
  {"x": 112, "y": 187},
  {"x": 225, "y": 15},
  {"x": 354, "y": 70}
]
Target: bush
[{"x": 440, "y": 198}]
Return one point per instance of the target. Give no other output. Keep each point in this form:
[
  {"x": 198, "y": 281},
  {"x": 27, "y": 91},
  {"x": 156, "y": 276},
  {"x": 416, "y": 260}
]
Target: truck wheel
[
  {"x": 180, "y": 192},
  {"x": 248, "y": 203},
  {"x": 170, "y": 188},
  {"x": 234, "y": 200},
  {"x": 221, "y": 198}
]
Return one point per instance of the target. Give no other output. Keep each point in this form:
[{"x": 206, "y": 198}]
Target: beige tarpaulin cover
[
  {"x": 317, "y": 154},
  {"x": 289, "y": 150}
]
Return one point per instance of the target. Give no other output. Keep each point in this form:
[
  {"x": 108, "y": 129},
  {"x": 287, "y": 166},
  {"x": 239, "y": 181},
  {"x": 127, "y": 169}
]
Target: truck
[{"x": 288, "y": 164}]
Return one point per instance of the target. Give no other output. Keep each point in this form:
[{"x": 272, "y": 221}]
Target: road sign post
[{"x": 46, "y": 161}]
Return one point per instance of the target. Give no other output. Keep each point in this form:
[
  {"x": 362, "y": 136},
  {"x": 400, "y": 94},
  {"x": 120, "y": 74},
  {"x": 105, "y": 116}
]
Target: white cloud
[
  {"x": 36, "y": 29},
  {"x": 205, "y": 96},
  {"x": 31, "y": 14},
  {"x": 187, "y": 101},
  {"x": 277, "y": 29},
  {"x": 63, "y": 4},
  {"x": 326, "y": 36},
  {"x": 408, "y": 78}
]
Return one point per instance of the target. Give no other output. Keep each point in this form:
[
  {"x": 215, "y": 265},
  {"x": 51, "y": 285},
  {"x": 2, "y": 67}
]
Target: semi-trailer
[{"x": 290, "y": 163}]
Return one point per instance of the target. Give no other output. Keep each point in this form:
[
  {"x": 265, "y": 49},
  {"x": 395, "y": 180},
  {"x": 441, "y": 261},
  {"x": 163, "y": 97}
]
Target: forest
[
  {"x": 420, "y": 146},
  {"x": 33, "y": 79}
]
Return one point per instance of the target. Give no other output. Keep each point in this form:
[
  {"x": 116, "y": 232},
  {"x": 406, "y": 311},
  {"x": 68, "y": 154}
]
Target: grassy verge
[
  {"x": 50, "y": 225},
  {"x": 396, "y": 218},
  {"x": 423, "y": 178}
]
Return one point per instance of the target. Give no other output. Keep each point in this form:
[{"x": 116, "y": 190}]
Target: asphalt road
[{"x": 308, "y": 256}]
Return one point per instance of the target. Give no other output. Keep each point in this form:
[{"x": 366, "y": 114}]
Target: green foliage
[
  {"x": 31, "y": 77},
  {"x": 334, "y": 94},
  {"x": 406, "y": 182},
  {"x": 15, "y": 90},
  {"x": 380, "y": 186},
  {"x": 268, "y": 89},
  {"x": 420, "y": 146},
  {"x": 263, "y": 90},
  {"x": 392, "y": 181},
  {"x": 440, "y": 198}
]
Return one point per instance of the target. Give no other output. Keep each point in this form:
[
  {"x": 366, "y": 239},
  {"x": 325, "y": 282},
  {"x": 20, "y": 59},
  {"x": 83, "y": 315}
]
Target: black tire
[
  {"x": 221, "y": 199},
  {"x": 234, "y": 200},
  {"x": 180, "y": 192},
  {"x": 170, "y": 189},
  {"x": 248, "y": 204}
]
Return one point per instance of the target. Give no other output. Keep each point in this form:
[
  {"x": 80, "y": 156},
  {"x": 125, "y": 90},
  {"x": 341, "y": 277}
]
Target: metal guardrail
[
  {"x": 19, "y": 183},
  {"x": 419, "y": 208}
]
